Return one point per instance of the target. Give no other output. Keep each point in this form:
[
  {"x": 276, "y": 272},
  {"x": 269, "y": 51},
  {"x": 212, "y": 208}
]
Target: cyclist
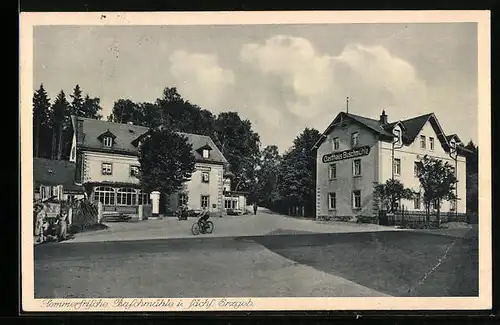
[{"x": 203, "y": 217}]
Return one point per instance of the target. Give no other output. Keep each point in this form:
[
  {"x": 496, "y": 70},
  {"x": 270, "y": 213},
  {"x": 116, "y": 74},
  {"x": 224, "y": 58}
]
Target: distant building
[
  {"x": 356, "y": 153},
  {"x": 106, "y": 156},
  {"x": 233, "y": 200},
  {"x": 55, "y": 179}
]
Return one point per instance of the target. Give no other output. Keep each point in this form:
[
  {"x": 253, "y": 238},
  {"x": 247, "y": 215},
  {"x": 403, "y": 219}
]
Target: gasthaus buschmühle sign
[{"x": 347, "y": 154}]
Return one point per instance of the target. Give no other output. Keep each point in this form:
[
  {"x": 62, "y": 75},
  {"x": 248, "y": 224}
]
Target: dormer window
[
  {"x": 205, "y": 151},
  {"x": 107, "y": 139},
  {"x": 108, "y": 142},
  {"x": 397, "y": 136}
]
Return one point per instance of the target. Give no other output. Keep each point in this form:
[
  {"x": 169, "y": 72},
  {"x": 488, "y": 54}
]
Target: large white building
[
  {"x": 107, "y": 165},
  {"x": 356, "y": 153}
]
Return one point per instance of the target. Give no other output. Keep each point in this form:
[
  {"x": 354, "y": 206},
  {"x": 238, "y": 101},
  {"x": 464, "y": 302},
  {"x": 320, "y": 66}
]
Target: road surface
[{"x": 283, "y": 263}]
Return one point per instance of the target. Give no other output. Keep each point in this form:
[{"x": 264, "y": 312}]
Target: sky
[{"x": 283, "y": 78}]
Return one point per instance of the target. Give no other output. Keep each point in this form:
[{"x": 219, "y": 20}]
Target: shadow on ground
[{"x": 395, "y": 263}]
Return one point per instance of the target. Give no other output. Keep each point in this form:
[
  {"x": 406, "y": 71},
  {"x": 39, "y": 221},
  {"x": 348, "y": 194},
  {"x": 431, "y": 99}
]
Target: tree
[
  {"x": 472, "y": 178},
  {"x": 166, "y": 161},
  {"x": 149, "y": 115},
  {"x": 124, "y": 110},
  {"x": 60, "y": 121},
  {"x": 437, "y": 179},
  {"x": 267, "y": 176},
  {"x": 41, "y": 118},
  {"x": 297, "y": 177},
  {"x": 77, "y": 102},
  {"x": 392, "y": 192},
  {"x": 240, "y": 145},
  {"x": 92, "y": 107}
]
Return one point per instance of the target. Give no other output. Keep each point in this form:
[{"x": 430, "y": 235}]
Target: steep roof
[
  {"x": 411, "y": 127},
  {"x": 55, "y": 172},
  {"x": 88, "y": 132}
]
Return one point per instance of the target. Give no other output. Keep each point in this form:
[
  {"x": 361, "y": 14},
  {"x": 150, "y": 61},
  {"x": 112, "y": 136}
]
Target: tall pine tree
[
  {"x": 77, "y": 102},
  {"x": 41, "y": 106},
  {"x": 60, "y": 122}
]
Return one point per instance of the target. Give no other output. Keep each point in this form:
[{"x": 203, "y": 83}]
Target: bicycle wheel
[
  {"x": 195, "y": 229},
  {"x": 209, "y": 227}
]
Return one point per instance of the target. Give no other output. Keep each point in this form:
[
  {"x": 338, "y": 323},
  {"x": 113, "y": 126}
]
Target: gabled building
[
  {"x": 107, "y": 165},
  {"x": 55, "y": 179},
  {"x": 356, "y": 153}
]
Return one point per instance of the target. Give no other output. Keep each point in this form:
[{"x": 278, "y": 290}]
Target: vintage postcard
[{"x": 255, "y": 161}]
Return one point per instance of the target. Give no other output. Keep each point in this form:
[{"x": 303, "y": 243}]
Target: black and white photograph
[{"x": 197, "y": 161}]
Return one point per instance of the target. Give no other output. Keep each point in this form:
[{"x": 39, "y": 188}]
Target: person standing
[{"x": 255, "y": 208}]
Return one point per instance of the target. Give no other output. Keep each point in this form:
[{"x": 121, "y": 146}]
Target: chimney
[{"x": 383, "y": 118}]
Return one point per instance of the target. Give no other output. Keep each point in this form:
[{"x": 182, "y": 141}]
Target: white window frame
[
  {"x": 105, "y": 194},
  {"x": 207, "y": 197},
  {"x": 206, "y": 153},
  {"x": 126, "y": 196},
  {"x": 431, "y": 143},
  {"x": 416, "y": 168},
  {"x": 423, "y": 140},
  {"x": 205, "y": 177},
  {"x": 106, "y": 171},
  {"x": 354, "y": 206},
  {"x": 453, "y": 205},
  {"x": 354, "y": 139},
  {"x": 143, "y": 198},
  {"x": 131, "y": 171},
  {"x": 354, "y": 168},
  {"x": 397, "y": 135},
  {"x": 107, "y": 142},
  {"x": 397, "y": 166},
  {"x": 417, "y": 202},
  {"x": 332, "y": 171},
  {"x": 336, "y": 143},
  {"x": 332, "y": 201},
  {"x": 183, "y": 199}
]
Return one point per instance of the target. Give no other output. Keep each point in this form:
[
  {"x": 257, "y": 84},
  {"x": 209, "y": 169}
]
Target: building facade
[
  {"x": 356, "y": 153},
  {"x": 106, "y": 155}
]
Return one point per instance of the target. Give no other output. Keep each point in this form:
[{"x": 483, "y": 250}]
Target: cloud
[
  {"x": 371, "y": 75},
  {"x": 200, "y": 78}
]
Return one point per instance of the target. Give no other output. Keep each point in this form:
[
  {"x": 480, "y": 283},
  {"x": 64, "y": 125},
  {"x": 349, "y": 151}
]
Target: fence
[{"x": 417, "y": 219}]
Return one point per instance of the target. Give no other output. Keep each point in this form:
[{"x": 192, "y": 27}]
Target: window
[
  {"x": 397, "y": 166},
  {"x": 134, "y": 171},
  {"x": 205, "y": 177},
  {"x": 332, "y": 171},
  {"x": 231, "y": 203},
  {"x": 105, "y": 195},
  {"x": 354, "y": 139},
  {"x": 435, "y": 204},
  {"x": 143, "y": 198},
  {"x": 431, "y": 143},
  {"x": 206, "y": 153},
  {"x": 397, "y": 135},
  {"x": 453, "y": 205},
  {"x": 108, "y": 142},
  {"x": 416, "y": 168},
  {"x": 126, "y": 196},
  {"x": 422, "y": 142},
  {"x": 107, "y": 169},
  {"x": 356, "y": 167},
  {"x": 183, "y": 199},
  {"x": 356, "y": 199},
  {"x": 336, "y": 144},
  {"x": 332, "y": 201},
  {"x": 205, "y": 201},
  {"x": 416, "y": 201}
]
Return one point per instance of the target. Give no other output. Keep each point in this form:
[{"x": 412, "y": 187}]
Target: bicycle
[{"x": 203, "y": 227}]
